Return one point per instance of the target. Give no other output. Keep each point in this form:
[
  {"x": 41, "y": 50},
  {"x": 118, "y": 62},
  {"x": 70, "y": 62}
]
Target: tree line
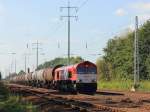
[
  {"x": 60, "y": 61},
  {"x": 118, "y": 59},
  {"x": 55, "y": 62}
]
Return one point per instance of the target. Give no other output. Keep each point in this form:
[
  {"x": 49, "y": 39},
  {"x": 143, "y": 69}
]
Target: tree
[
  {"x": 59, "y": 61},
  {"x": 21, "y": 72},
  {"x": 104, "y": 69},
  {"x": 147, "y": 63},
  {"x": 119, "y": 54}
]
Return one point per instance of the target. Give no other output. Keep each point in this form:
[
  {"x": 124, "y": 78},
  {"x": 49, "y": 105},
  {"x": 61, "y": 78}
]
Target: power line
[
  {"x": 25, "y": 63},
  {"x": 60, "y": 24},
  {"x": 57, "y": 27},
  {"x": 25, "y": 58},
  {"x": 13, "y": 62},
  {"x": 83, "y": 3},
  {"x": 69, "y": 16},
  {"x": 37, "y": 52}
]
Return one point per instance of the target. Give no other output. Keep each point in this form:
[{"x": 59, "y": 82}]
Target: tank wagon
[{"x": 81, "y": 77}]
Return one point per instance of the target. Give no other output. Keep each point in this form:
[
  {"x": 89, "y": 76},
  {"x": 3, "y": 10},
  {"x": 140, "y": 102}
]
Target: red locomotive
[{"x": 81, "y": 77}]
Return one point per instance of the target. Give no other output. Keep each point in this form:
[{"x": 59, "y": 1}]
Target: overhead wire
[
  {"x": 61, "y": 24},
  {"x": 83, "y": 4}
]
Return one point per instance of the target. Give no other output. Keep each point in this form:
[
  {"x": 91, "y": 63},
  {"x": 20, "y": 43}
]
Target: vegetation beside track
[
  {"x": 118, "y": 62},
  {"x": 11, "y": 103},
  {"x": 14, "y": 104},
  {"x": 123, "y": 85},
  {"x": 116, "y": 67}
]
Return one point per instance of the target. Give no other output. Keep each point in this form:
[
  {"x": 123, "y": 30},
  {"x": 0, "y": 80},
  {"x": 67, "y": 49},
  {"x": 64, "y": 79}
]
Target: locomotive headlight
[{"x": 80, "y": 80}]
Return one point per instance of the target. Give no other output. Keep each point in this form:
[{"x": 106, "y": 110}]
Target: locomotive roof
[
  {"x": 84, "y": 62},
  {"x": 76, "y": 65}
]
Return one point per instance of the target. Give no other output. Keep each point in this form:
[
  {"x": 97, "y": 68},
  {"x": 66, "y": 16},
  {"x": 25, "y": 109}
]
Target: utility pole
[
  {"x": 15, "y": 65},
  {"x": 26, "y": 56},
  {"x": 25, "y": 63},
  {"x": 69, "y": 16},
  {"x": 136, "y": 54},
  {"x": 58, "y": 45},
  {"x": 13, "y": 62},
  {"x": 86, "y": 46},
  {"x": 37, "y": 52}
]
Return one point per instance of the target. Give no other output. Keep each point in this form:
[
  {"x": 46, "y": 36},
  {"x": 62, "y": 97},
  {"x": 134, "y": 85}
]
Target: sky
[{"x": 23, "y": 22}]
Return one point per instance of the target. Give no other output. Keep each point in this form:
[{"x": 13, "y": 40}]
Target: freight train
[{"x": 81, "y": 77}]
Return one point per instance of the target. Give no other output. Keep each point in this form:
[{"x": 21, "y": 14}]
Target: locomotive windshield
[{"x": 86, "y": 70}]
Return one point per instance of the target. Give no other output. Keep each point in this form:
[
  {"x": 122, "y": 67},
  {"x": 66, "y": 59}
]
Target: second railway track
[{"x": 52, "y": 97}]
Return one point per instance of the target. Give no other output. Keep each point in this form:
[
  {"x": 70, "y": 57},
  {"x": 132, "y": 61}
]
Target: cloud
[
  {"x": 120, "y": 12},
  {"x": 141, "y": 6}
]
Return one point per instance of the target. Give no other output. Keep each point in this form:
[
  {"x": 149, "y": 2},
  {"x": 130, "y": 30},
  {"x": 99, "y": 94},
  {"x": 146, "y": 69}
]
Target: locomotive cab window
[{"x": 86, "y": 70}]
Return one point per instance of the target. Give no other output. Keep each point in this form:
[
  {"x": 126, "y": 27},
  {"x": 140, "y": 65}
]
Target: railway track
[{"x": 52, "y": 97}]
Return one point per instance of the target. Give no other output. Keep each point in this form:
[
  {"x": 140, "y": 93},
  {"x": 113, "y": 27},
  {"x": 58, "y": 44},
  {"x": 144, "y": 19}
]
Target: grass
[
  {"x": 123, "y": 85},
  {"x": 13, "y": 104},
  {"x": 145, "y": 86}
]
